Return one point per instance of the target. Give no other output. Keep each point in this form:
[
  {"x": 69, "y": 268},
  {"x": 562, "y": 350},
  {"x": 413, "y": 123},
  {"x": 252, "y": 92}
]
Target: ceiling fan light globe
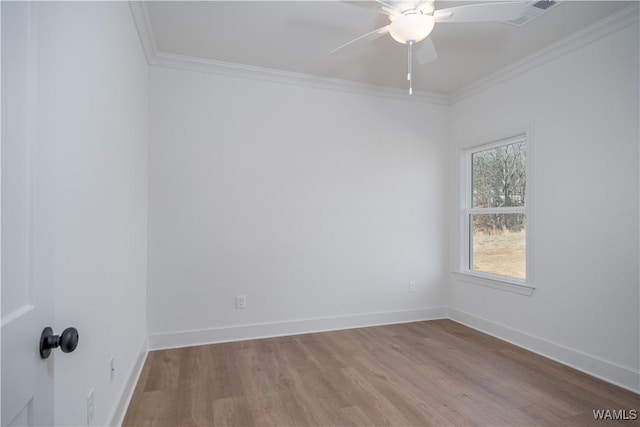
[{"x": 411, "y": 27}]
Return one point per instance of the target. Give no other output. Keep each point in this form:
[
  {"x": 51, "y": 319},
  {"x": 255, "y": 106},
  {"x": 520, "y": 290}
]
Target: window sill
[{"x": 494, "y": 282}]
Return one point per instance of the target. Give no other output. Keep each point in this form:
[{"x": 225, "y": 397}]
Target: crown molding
[
  {"x": 143, "y": 26},
  {"x": 616, "y": 22},
  {"x": 287, "y": 77},
  {"x": 597, "y": 31},
  {"x": 162, "y": 59}
]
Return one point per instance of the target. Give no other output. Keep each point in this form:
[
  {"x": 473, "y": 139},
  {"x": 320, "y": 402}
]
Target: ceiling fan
[{"x": 411, "y": 23}]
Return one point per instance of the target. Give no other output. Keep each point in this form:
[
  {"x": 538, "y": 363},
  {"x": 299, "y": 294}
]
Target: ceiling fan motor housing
[{"x": 411, "y": 26}]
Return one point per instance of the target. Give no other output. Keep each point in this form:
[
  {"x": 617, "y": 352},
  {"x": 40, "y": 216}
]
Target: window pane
[
  {"x": 498, "y": 244},
  {"x": 498, "y": 176}
]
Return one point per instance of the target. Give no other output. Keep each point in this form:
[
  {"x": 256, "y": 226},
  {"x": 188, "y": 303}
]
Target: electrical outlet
[
  {"x": 90, "y": 407},
  {"x": 112, "y": 368},
  {"x": 412, "y": 285},
  {"x": 240, "y": 302}
]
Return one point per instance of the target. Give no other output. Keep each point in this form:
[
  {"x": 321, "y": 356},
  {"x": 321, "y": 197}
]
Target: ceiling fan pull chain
[{"x": 410, "y": 43}]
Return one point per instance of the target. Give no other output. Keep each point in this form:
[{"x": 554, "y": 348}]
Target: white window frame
[{"x": 465, "y": 273}]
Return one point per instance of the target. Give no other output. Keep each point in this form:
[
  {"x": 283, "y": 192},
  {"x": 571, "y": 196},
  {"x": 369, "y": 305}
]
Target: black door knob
[{"x": 67, "y": 341}]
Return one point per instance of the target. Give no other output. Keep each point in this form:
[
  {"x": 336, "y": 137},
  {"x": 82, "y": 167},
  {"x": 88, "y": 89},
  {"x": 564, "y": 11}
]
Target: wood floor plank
[
  {"x": 232, "y": 411},
  {"x": 373, "y": 401},
  {"x": 164, "y": 370},
  {"x": 424, "y": 373},
  {"x": 353, "y": 416}
]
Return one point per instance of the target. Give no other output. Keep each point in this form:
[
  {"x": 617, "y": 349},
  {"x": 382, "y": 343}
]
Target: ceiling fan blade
[
  {"x": 387, "y": 11},
  {"x": 504, "y": 11},
  {"x": 377, "y": 5},
  {"x": 384, "y": 4},
  {"x": 425, "y": 51},
  {"x": 366, "y": 37}
]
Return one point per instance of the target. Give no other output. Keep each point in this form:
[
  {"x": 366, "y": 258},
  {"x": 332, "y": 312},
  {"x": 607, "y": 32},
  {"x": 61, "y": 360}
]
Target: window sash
[
  {"x": 468, "y": 196},
  {"x": 468, "y": 211},
  {"x": 471, "y": 255}
]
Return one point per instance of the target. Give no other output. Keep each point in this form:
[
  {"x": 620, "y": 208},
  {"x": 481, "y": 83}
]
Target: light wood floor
[{"x": 426, "y": 373}]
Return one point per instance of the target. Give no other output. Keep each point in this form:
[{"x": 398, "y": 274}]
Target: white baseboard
[
  {"x": 116, "y": 417},
  {"x": 607, "y": 371},
  {"x": 295, "y": 327}
]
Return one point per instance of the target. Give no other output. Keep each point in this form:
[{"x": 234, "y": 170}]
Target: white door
[{"x": 26, "y": 230}]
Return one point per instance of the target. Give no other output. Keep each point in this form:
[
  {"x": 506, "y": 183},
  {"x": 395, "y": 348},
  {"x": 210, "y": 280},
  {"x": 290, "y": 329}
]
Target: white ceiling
[{"x": 297, "y": 36}]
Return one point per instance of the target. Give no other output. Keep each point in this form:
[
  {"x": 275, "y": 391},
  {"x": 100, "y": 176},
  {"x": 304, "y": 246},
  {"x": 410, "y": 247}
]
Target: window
[{"x": 495, "y": 232}]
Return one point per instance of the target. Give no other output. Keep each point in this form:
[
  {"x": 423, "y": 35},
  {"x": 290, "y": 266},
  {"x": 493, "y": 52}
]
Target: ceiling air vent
[{"x": 534, "y": 10}]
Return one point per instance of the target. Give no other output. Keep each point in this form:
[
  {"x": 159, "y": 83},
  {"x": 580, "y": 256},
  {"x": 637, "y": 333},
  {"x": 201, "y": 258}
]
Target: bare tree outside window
[{"x": 496, "y": 217}]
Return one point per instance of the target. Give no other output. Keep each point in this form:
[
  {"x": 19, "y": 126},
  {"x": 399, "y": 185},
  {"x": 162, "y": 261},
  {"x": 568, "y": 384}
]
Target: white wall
[
  {"x": 314, "y": 204},
  {"x": 319, "y": 204},
  {"x": 584, "y": 107},
  {"x": 97, "y": 73}
]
